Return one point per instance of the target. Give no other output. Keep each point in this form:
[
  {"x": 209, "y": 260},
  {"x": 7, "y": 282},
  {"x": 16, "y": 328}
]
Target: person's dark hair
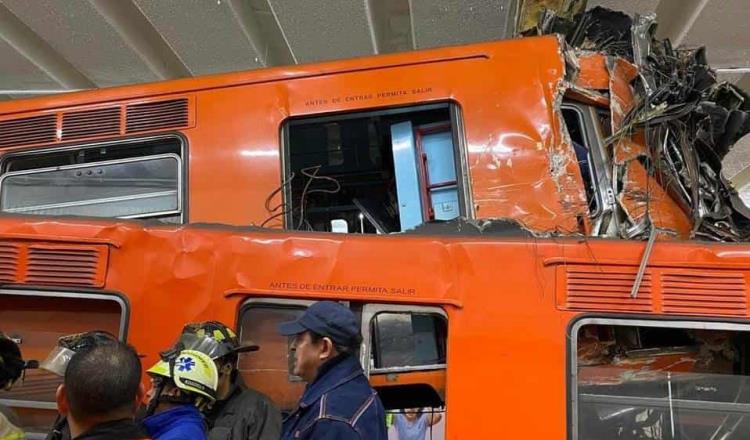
[
  {"x": 102, "y": 380},
  {"x": 11, "y": 363},
  {"x": 350, "y": 348}
]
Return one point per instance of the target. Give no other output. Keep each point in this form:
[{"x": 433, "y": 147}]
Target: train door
[{"x": 403, "y": 351}]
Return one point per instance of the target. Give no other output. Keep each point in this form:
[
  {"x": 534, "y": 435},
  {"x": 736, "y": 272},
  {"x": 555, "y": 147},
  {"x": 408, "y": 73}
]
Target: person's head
[
  {"x": 58, "y": 359},
  {"x": 325, "y": 330},
  {"x": 12, "y": 364},
  {"x": 102, "y": 383},
  {"x": 221, "y": 343},
  {"x": 185, "y": 377},
  {"x": 412, "y": 413}
]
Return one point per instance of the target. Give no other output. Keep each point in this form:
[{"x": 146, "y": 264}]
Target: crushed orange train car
[{"x": 487, "y": 170}]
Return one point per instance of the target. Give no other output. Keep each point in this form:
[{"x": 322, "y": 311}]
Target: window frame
[
  {"x": 269, "y": 302},
  {"x": 370, "y": 311},
  {"x": 601, "y": 171},
  {"x": 143, "y": 159},
  {"x": 122, "y": 330},
  {"x": 463, "y": 179},
  {"x": 572, "y": 349},
  {"x": 183, "y": 170}
]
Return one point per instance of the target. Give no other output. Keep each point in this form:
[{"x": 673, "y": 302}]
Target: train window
[
  {"x": 408, "y": 340},
  {"x": 373, "y": 172},
  {"x": 582, "y": 147},
  {"x": 36, "y": 320},
  {"x": 406, "y": 361},
  {"x": 267, "y": 370},
  {"x": 662, "y": 380},
  {"x": 124, "y": 180}
]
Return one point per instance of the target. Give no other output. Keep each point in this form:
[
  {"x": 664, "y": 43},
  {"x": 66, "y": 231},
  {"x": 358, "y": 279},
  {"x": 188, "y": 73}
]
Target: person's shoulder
[
  {"x": 248, "y": 393},
  {"x": 185, "y": 432}
]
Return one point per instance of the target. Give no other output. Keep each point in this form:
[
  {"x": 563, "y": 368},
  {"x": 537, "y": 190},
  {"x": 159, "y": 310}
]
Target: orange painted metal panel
[{"x": 491, "y": 290}]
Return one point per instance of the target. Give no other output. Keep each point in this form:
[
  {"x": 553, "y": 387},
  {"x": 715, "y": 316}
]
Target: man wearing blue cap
[{"x": 339, "y": 402}]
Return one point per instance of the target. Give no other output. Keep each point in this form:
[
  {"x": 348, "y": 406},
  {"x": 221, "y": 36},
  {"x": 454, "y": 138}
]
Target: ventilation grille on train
[
  {"x": 53, "y": 264},
  {"x": 663, "y": 290},
  {"x": 8, "y": 262},
  {"x": 34, "y": 130},
  {"x": 157, "y": 115},
  {"x": 90, "y": 123},
  {"x": 94, "y": 123},
  {"x": 691, "y": 292},
  {"x": 592, "y": 289}
]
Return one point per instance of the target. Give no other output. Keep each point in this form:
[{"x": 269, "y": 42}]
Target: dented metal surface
[{"x": 671, "y": 123}]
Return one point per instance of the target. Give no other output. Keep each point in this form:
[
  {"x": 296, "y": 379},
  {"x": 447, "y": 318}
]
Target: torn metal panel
[
  {"x": 671, "y": 124},
  {"x": 644, "y": 200},
  {"x": 587, "y": 96},
  {"x": 530, "y": 12},
  {"x": 593, "y": 73},
  {"x": 621, "y": 96}
]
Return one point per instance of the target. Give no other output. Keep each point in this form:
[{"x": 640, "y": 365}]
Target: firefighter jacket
[{"x": 245, "y": 415}]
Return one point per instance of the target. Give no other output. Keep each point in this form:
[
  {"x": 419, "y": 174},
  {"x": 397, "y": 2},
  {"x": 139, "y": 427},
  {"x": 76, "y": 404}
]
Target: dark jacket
[
  {"x": 184, "y": 422},
  {"x": 339, "y": 404},
  {"x": 245, "y": 415},
  {"x": 60, "y": 430},
  {"x": 125, "y": 429}
]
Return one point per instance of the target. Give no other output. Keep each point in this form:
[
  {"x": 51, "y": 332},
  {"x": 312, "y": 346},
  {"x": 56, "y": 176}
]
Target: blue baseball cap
[{"x": 326, "y": 318}]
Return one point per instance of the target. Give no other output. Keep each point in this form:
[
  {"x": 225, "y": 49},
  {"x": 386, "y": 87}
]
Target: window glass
[
  {"x": 130, "y": 188},
  {"x": 36, "y": 323},
  {"x": 138, "y": 178},
  {"x": 408, "y": 340},
  {"x": 267, "y": 369},
  {"x": 662, "y": 383},
  {"x": 575, "y": 127}
]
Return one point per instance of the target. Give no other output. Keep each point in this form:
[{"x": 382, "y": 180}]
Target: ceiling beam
[
  {"x": 390, "y": 25},
  {"x": 375, "y": 25},
  {"x": 677, "y": 17},
  {"x": 262, "y": 31},
  {"x": 138, "y": 33},
  {"x": 32, "y": 47}
]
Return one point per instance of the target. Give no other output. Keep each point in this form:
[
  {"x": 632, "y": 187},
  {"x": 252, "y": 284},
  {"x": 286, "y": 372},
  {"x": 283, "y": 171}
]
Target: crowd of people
[{"x": 196, "y": 390}]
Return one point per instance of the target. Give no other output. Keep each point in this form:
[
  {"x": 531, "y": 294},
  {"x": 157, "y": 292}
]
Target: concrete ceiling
[{"x": 52, "y": 45}]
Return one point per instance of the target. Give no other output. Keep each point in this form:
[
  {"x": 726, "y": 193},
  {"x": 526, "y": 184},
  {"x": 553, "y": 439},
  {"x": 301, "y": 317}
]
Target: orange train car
[
  {"x": 239, "y": 148},
  {"x": 525, "y": 330},
  {"x": 488, "y": 130}
]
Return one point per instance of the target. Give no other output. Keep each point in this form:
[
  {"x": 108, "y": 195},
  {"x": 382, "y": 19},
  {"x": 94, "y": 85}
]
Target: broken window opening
[
  {"x": 582, "y": 147},
  {"x": 379, "y": 172},
  {"x": 662, "y": 381}
]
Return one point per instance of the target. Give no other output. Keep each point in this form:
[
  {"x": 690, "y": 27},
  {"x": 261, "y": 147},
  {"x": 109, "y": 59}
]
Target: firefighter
[
  {"x": 338, "y": 401},
  {"x": 184, "y": 382},
  {"x": 57, "y": 362},
  {"x": 100, "y": 393},
  {"x": 12, "y": 367},
  {"x": 239, "y": 413}
]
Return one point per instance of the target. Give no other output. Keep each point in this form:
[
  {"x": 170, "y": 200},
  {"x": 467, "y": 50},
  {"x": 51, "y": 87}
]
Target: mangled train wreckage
[
  {"x": 675, "y": 151},
  {"x": 670, "y": 125},
  {"x": 505, "y": 158}
]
